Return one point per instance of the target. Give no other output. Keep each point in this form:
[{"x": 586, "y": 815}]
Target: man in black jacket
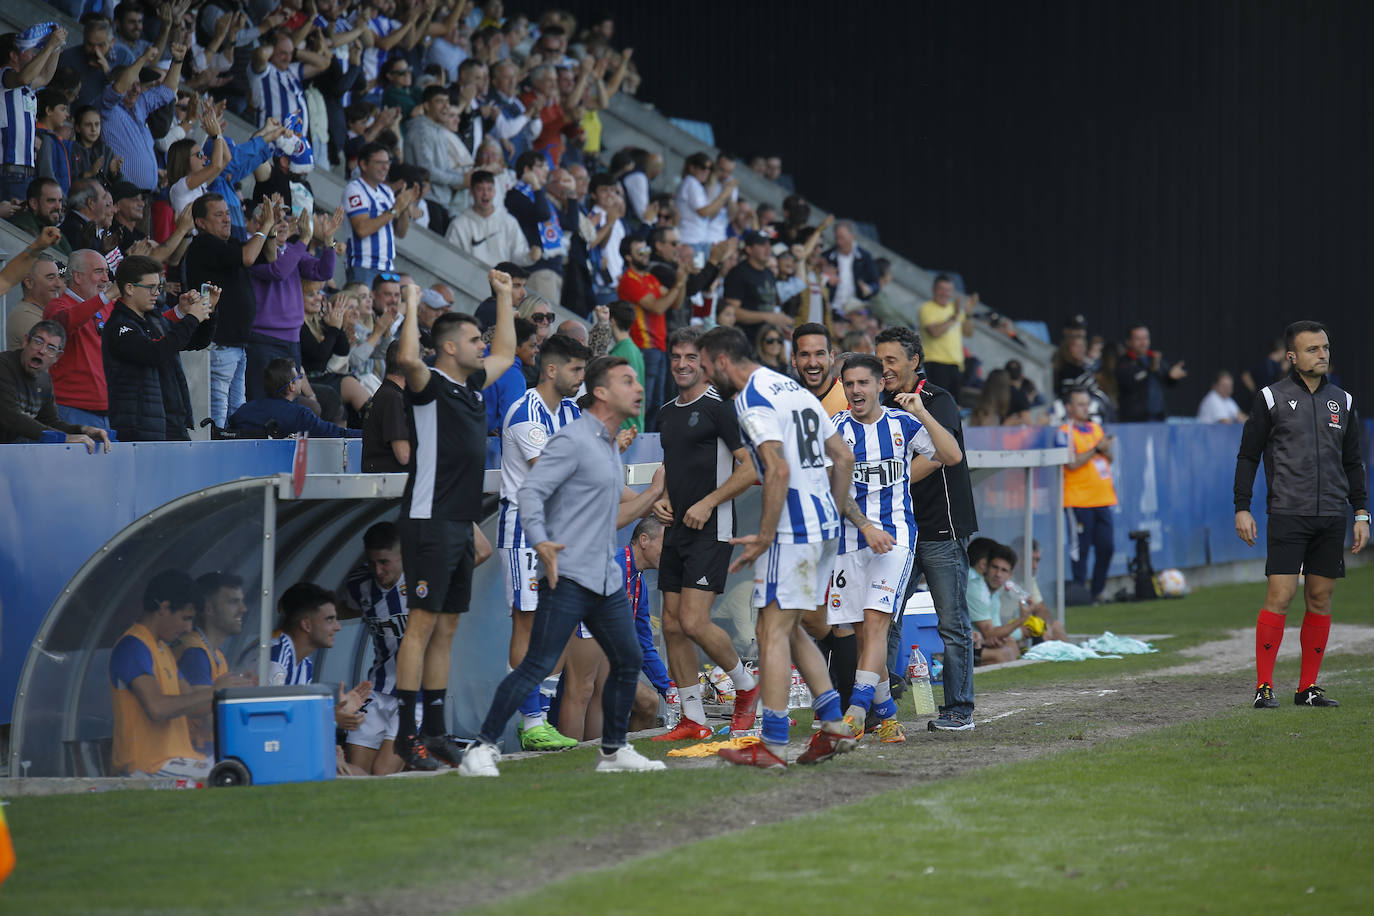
[
  {"x": 1307, "y": 430},
  {"x": 942, "y": 498},
  {"x": 1141, "y": 377},
  {"x": 149, "y": 400}
]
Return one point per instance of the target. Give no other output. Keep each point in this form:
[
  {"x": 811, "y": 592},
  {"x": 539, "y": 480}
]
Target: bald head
[{"x": 574, "y": 329}]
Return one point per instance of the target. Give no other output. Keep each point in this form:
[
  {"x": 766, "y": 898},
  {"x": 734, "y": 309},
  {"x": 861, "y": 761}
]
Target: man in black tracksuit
[
  {"x": 942, "y": 499},
  {"x": 1307, "y": 431}
]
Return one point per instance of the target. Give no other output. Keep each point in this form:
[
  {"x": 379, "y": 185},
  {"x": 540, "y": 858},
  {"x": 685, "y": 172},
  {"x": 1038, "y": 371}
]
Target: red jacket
[{"x": 78, "y": 378}]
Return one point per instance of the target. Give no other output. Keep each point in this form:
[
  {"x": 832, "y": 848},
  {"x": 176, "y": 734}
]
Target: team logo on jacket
[
  {"x": 694, "y": 418},
  {"x": 422, "y": 589},
  {"x": 1333, "y": 407},
  {"x": 897, "y": 439}
]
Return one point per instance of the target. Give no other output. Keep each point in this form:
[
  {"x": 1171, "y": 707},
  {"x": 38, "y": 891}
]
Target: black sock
[
  {"x": 405, "y": 726},
  {"x": 433, "y": 723},
  {"x": 844, "y": 662}
]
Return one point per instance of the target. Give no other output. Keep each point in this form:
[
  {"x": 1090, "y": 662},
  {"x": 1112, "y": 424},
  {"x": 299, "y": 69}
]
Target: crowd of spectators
[{"x": 477, "y": 122}]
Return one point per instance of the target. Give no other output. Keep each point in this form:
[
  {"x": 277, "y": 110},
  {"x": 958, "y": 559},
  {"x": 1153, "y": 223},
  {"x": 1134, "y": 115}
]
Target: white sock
[
  {"x": 530, "y": 722},
  {"x": 691, "y": 704},
  {"x": 741, "y": 676}
]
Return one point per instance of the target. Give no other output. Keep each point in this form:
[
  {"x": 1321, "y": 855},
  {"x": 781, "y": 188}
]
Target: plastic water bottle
[
  {"x": 1018, "y": 592},
  {"x": 799, "y": 694},
  {"x": 674, "y": 713},
  {"x": 918, "y": 672}
]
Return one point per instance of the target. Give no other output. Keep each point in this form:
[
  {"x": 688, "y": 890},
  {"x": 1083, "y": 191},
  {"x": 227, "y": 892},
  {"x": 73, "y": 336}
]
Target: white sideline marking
[{"x": 1002, "y": 715}]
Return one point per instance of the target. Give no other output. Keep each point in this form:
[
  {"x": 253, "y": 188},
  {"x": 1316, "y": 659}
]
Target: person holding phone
[{"x": 1089, "y": 493}]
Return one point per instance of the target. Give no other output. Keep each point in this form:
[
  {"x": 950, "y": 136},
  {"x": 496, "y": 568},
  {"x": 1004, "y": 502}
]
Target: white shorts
[
  {"x": 794, "y": 576},
  {"x": 381, "y": 717},
  {"x": 521, "y": 571},
  {"x": 864, "y": 579}
]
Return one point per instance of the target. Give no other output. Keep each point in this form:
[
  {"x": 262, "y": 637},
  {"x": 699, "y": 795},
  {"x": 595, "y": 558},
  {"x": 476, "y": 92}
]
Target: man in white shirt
[
  {"x": 485, "y": 230},
  {"x": 1218, "y": 406}
]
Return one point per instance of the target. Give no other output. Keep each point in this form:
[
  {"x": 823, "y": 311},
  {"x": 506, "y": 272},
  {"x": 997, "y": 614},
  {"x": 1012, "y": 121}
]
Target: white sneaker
[
  {"x": 480, "y": 760},
  {"x": 627, "y": 760}
]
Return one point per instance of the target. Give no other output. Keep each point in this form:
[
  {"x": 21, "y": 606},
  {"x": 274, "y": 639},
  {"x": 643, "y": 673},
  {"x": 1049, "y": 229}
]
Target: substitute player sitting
[
  {"x": 377, "y": 591},
  {"x": 878, "y": 531},
  {"x": 525, "y": 430},
  {"x": 805, "y": 468}
]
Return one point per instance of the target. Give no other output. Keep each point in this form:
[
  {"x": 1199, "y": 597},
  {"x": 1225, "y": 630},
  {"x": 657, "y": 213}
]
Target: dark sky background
[{"x": 1199, "y": 166}]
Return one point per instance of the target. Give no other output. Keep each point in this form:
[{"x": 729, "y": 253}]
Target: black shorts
[
  {"x": 700, "y": 562},
  {"x": 438, "y": 559},
  {"x": 1312, "y": 544}
]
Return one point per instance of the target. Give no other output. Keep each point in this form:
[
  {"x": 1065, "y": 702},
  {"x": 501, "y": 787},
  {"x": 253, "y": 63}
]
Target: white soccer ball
[{"x": 1172, "y": 584}]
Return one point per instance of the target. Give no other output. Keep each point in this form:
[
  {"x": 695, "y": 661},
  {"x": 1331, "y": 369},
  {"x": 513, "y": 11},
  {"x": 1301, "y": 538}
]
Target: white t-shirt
[
  {"x": 692, "y": 227},
  {"x": 179, "y": 195},
  {"x": 845, "y": 291},
  {"x": 1217, "y": 409}
]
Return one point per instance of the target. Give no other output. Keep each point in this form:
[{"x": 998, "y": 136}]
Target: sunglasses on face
[
  {"x": 542, "y": 317},
  {"x": 770, "y": 341},
  {"x": 390, "y": 277}
]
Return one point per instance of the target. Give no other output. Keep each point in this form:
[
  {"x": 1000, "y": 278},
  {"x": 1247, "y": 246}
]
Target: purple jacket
[{"x": 281, "y": 304}]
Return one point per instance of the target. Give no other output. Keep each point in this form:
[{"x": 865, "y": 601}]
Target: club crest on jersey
[
  {"x": 355, "y": 200},
  {"x": 534, "y": 584},
  {"x": 402, "y": 589},
  {"x": 897, "y": 439},
  {"x": 1333, "y": 407},
  {"x": 694, "y": 418},
  {"x": 422, "y": 589},
  {"x": 537, "y": 436}
]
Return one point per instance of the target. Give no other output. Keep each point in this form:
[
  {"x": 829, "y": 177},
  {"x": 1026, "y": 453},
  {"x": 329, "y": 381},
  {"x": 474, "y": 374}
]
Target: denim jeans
[
  {"x": 945, "y": 565},
  {"x": 79, "y": 417},
  {"x": 262, "y": 349},
  {"x": 227, "y": 368},
  {"x": 655, "y": 383},
  {"x": 560, "y": 610},
  {"x": 1091, "y": 529}
]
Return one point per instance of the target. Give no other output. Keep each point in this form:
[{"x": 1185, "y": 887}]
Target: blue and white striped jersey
[
  {"x": 384, "y": 614},
  {"x": 774, "y": 408},
  {"x": 525, "y": 431},
  {"x": 374, "y": 57},
  {"x": 18, "y": 124},
  {"x": 378, "y": 250},
  {"x": 279, "y": 94},
  {"x": 882, "y": 473},
  {"x": 285, "y": 669}
]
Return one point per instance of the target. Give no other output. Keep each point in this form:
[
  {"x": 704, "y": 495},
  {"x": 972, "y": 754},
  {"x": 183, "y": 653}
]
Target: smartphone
[{"x": 205, "y": 292}]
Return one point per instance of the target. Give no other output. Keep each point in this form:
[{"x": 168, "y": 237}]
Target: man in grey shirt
[{"x": 571, "y": 506}]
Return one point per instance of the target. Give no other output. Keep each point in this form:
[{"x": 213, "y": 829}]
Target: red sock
[
  {"x": 1268, "y": 635},
  {"x": 1315, "y": 629}
]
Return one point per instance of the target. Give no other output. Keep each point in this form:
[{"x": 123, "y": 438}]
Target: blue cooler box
[
  {"x": 920, "y": 627},
  {"x": 277, "y": 734}
]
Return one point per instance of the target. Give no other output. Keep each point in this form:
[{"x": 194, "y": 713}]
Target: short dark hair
[
  {"x": 908, "y": 339},
  {"x": 1076, "y": 389},
  {"x": 726, "y": 341},
  {"x": 811, "y": 327},
  {"x": 393, "y": 358},
  {"x": 1290, "y": 335},
  {"x": 526, "y": 160},
  {"x": 134, "y": 268},
  {"x": 1003, "y": 552},
  {"x": 299, "y": 602},
  {"x": 601, "y": 180},
  {"x": 173, "y": 586},
  {"x": 49, "y": 327},
  {"x": 385, "y": 276},
  {"x": 446, "y": 325},
  {"x": 210, "y": 583},
  {"x": 371, "y": 149},
  {"x": 35, "y": 189},
  {"x": 627, "y": 244},
  {"x": 278, "y": 375},
  {"x": 431, "y": 92},
  {"x": 980, "y": 549},
  {"x": 598, "y": 369},
  {"x": 481, "y": 176},
  {"x": 687, "y": 335},
  {"x": 524, "y": 330},
  {"x": 863, "y": 361},
  {"x": 514, "y": 271},
  {"x": 941, "y": 278},
  {"x": 382, "y": 536},
  {"x": 201, "y": 207},
  {"x": 559, "y": 348},
  {"x": 622, "y": 314},
  {"x": 48, "y": 99}
]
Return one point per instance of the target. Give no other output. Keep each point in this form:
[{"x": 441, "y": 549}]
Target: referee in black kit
[
  {"x": 443, "y": 500},
  {"x": 1307, "y": 430}
]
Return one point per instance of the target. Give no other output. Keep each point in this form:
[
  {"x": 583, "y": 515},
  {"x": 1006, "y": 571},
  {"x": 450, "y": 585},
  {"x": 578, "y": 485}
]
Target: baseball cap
[
  {"x": 435, "y": 301},
  {"x": 756, "y": 238},
  {"x": 123, "y": 190}
]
